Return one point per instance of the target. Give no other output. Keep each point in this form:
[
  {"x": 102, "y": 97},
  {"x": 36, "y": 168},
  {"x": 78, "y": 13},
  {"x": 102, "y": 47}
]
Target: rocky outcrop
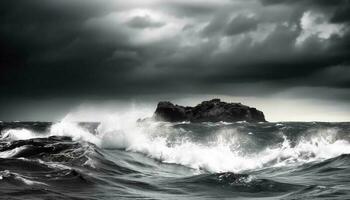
[{"x": 208, "y": 111}]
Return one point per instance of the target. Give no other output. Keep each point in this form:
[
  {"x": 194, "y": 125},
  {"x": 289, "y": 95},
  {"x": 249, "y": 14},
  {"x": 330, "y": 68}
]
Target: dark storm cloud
[
  {"x": 144, "y": 22},
  {"x": 309, "y": 2},
  {"x": 342, "y": 14},
  {"x": 116, "y": 48},
  {"x": 241, "y": 24}
]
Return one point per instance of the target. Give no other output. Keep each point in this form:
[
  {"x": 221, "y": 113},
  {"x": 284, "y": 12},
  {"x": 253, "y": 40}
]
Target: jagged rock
[{"x": 208, "y": 111}]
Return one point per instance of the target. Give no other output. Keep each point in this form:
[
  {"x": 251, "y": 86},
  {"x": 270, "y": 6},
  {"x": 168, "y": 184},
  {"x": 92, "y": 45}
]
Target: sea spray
[
  {"x": 221, "y": 148},
  {"x": 119, "y": 155}
]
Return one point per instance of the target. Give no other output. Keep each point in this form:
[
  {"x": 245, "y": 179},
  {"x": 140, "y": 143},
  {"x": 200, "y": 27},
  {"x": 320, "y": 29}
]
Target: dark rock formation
[{"x": 208, "y": 111}]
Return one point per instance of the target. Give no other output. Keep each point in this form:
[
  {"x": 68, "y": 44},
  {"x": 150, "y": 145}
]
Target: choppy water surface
[{"x": 157, "y": 160}]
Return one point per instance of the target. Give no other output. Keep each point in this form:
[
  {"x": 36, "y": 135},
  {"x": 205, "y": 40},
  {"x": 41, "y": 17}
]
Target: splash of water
[{"x": 221, "y": 153}]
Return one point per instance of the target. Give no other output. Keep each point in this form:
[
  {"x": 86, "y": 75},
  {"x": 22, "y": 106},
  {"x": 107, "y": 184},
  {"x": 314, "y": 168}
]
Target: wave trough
[{"x": 127, "y": 159}]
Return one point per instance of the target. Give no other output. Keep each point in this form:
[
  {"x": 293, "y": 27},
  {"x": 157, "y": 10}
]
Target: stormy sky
[{"x": 278, "y": 55}]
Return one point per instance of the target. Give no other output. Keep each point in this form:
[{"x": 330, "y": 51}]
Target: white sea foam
[
  {"x": 12, "y": 152},
  {"x": 223, "y": 152},
  {"x": 7, "y": 174},
  {"x": 18, "y": 134},
  {"x": 74, "y": 131}
]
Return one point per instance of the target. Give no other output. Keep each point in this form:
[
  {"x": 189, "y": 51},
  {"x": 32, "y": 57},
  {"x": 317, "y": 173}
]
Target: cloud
[
  {"x": 314, "y": 24},
  {"x": 341, "y": 14},
  {"x": 241, "y": 24},
  {"x": 144, "y": 22},
  {"x": 125, "y": 48}
]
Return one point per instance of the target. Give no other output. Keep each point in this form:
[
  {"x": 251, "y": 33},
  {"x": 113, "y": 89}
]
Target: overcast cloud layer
[{"x": 115, "y": 48}]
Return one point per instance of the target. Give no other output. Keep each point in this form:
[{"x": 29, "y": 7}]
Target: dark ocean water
[{"x": 66, "y": 160}]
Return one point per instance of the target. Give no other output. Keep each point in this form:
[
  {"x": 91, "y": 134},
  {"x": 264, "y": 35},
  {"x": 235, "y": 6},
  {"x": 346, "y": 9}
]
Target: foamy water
[{"x": 222, "y": 152}]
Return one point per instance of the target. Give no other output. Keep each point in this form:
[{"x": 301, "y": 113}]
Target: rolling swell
[{"x": 175, "y": 160}]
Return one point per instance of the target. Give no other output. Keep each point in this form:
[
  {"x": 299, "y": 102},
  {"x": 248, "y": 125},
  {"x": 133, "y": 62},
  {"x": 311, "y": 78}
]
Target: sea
[{"x": 130, "y": 159}]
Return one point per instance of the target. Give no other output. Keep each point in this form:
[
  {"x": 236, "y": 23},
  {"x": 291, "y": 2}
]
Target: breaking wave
[{"x": 282, "y": 159}]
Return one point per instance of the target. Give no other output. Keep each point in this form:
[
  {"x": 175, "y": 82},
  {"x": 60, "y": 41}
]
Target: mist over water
[{"x": 119, "y": 157}]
